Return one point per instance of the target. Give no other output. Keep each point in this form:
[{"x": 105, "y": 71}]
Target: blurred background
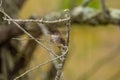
[{"x": 94, "y": 49}]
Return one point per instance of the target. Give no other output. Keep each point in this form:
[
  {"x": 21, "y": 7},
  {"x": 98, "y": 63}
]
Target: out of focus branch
[
  {"x": 8, "y": 32},
  {"x": 90, "y": 15},
  {"x": 85, "y": 3}
]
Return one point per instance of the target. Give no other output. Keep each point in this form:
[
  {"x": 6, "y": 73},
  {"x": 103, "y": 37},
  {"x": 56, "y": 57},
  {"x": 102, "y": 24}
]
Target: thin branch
[
  {"x": 85, "y": 3},
  {"x": 32, "y": 69},
  {"x": 62, "y": 76},
  {"x": 103, "y": 5},
  {"x": 30, "y": 39},
  {"x": 68, "y": 32},
  {"x": 63, "y": 59},
  {"x": 43, "y": 28},
  {"x": 49, "y": 50},
  {"x": 0, "y": 3},
  {"x": 38, "y": 20},
  {"x": 105, "y": 9},
  {"x": 45, "y": 31},
  {"x": 29, "y": 34}
]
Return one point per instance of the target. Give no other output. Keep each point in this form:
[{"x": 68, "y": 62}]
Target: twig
[
  {"x": 39, "y": 66},
  {"x": 103, "y": 5},
  {"x": 59, "y": 72},
  {"x": 85, "y": 3},
  {"x": 62, "y": 76},
  {"x": 49, "y": 50},
  {"x": 45, "y": 31},
  {"x": 29, "y": 34},
  {"x": 43, "y": 28},
  {"x": 0, "y": 3},
  {"x": 30, "y": 39},
  {"x": 63, "y": 59},
  {"x": 68, "y": 31},
  {"x": 38, "y": 20},
  {"x": 105, "y": 9}
]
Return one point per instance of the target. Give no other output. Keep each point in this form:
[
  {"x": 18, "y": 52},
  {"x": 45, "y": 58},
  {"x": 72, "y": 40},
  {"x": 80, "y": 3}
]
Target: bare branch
[
  {"x": 29, "y": 34},
  {"x": 36, "y": 67},
  {"x": 62, "y": 56},
  {"x": 85, "y": 3},
  {"x": 38, "y": 20},
  {"x": 104, "y": 8},
  {"x": 63, "y": 59},
  {"x": 0, "y": 3}
]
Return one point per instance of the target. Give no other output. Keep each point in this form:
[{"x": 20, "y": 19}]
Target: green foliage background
[{"x": 73, "y": 3}]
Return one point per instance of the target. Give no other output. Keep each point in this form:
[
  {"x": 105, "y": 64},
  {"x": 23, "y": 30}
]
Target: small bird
[{"x": 56, "y": 37}]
